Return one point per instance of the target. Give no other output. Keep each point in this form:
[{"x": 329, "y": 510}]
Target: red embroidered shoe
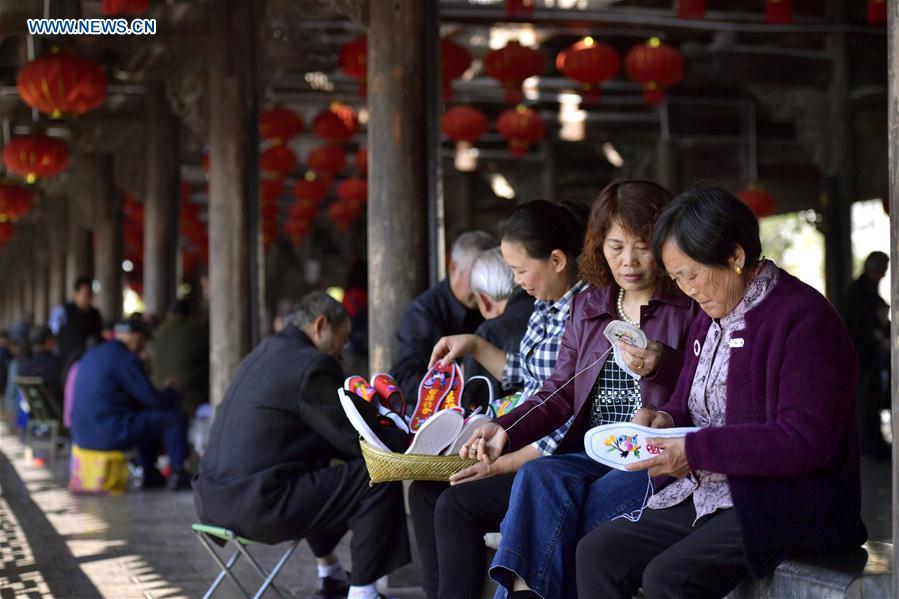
[
  {"x": 431, "y": 393},
  {"x": 453, "y": 398},
  {"x": 358, "y": 385},
  {"x": 389, "y": 393}
]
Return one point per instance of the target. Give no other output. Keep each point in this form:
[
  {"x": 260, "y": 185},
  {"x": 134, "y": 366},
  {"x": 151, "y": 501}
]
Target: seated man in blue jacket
[{"x": 116, "y": 406}]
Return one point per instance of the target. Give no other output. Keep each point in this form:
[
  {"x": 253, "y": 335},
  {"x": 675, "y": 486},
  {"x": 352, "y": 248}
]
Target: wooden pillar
[
  {"x": 840, "y": 177},
  {"x": 58, "y": 244},
  {"x": 77, "y": 263},
  {"x": 41, "y": 290},
  {"x": 666, "y": 165},
  {"x": 398, "y": 169},
  {"x": 108, "y": 239},
  {"x": 233, "y": 188},
  {"x": 160, "y": 204},
  {"x": 893, "y": 129}
]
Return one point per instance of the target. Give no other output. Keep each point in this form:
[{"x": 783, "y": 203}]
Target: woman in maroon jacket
[
  {"x": 774, "y": 470},
  {"x": 555, "y": 500}
]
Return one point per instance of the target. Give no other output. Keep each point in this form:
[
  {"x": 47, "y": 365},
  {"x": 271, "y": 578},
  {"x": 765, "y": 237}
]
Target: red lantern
[
  {"x": 353, "y": 61},
  {"x": 302, "y": 209},
  {"x": 336, "y": 124},
  {"x": 759, "y": 200},
  {"x": 521, "y": 127},
  {"x": 353, "y": 192},
  {"x": 6, "y": 231},
  {"x": 311, "y": 187},
  {"x": 342, "y": 215},
  {"x": 590, "y": 63},
  {"x": 877, "y": 12},
  {"x": 656, "y": 66},
  {"x": 464, "y": 123},
  {"x": 279, "y": 124},
  {"x": 361, "y": 160},
  {"x": 779, "y": 12},
  {"x": 15, "y": 202},
  {"x": 454, "y": 61},
  {"x": 327, "y": 159},
  {"x": 278, "y": 160},
  {"x": 297, "y": 229},
  {"x": 691, "y": 9},
  {"x": 61, "y": 83},
  {"x": 270, "y": 190},
  {"x": 520, "y": 8},
  {"x": 124, "y": 7},
  {"x": 36, "y": 156},
  {"x": 511, "y": 65}
]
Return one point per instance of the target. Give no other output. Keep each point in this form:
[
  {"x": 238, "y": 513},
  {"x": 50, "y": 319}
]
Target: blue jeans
[{"x": 555, "y": 501}]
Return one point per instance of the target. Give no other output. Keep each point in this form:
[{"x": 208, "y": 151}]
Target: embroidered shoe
[
  {"x": 453, "y": 397},
  {"x": 478, "y": 394},
  {"x": 364, "y": 417},
  {"x": 622, "y": 443},
  {"x": 389, "y": 393},
  {"x": 472, "y": 423},
  {"x": 358, "y": 385},
  {"x": 436, "y": 433},
  {"x": 431, "y": 393}
]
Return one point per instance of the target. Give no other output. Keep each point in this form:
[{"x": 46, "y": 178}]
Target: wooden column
[
  {"x": 160, "y": 204},
  {"x": 233, "y": 188},
  {"x": 398, "y": 169},
  {"x": 58, "y": 245},
  {"x": 108, "y": 240},
  {"x": 77, "y": 262},
  {"x": 41, "y": 291},
  {"x": 893, "y": 129}
]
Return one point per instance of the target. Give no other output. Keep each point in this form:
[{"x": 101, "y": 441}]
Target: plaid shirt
[{"x": 537, "y": 355}]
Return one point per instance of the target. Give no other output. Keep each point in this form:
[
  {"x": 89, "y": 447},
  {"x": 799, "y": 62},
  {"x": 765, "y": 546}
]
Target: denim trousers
[{"x": 557, "y": 500}]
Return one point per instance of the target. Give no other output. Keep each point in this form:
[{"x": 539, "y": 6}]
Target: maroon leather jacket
[{"x": 666, "y": 319}]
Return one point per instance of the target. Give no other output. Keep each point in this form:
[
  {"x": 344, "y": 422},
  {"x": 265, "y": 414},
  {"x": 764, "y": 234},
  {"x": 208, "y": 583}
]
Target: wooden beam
[{"x": 398, "y": 169}]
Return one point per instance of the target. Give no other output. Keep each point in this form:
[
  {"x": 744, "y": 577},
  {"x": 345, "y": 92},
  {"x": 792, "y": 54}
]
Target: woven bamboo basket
[{"x": 386, "y": 466}]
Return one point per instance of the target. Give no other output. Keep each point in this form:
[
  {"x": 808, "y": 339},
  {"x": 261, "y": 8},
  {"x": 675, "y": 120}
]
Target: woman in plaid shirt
[{"x": 541, "y": 242}]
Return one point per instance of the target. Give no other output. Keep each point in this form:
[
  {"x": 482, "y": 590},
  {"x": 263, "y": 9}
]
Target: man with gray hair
[
  {"x": 505, "y": 308},
  {"x": 448, "y": 308},
  {"x": 266, "y": 473}
]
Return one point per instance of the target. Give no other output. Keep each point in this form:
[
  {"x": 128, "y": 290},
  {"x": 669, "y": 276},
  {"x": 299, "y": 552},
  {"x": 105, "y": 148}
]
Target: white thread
[
  {"x": 635, "y": 515},
  {"x": 577, "y": 374}
]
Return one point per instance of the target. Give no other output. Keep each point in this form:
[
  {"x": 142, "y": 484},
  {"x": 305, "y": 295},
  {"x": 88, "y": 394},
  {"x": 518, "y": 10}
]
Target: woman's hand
[
  {"x": 486, "y": 444},
  {"x": 653, "y": 418},
  {"x": 672, "y": 461},
  {"x": 449, "y": 349},
  {"x": 644, "y": 362},
  {"x": 477, "y": 472}
]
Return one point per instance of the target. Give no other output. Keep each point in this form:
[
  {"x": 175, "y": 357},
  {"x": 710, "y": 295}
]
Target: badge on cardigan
[
  {"x": 696, "y": 347},
  {"x": 735, "y": 342}
]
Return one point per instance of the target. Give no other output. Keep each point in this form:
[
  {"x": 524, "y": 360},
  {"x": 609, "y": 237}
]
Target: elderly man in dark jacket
[
  {"x": 266, "y": 472},
  {"x": 448, "y": 308}
]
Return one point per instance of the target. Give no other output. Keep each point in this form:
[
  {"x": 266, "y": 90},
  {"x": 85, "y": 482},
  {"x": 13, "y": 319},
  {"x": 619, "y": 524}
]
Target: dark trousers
[
  {"x": 665, "y": 554},
  {"x": 450, "y": 524},
  {"x": 326, "y": 503},
  {"x": 870, "y": 402},
  {"x": 148, "y": 428}
]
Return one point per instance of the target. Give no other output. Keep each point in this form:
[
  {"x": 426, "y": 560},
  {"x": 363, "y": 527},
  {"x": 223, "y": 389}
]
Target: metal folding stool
[{"x": 206, "y": 534}]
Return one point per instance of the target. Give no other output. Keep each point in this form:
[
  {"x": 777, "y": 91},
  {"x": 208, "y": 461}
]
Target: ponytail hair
[{"x": 542, "y": 227}]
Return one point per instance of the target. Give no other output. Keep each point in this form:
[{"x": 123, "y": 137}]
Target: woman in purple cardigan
[{"x": 770, "y": 380}]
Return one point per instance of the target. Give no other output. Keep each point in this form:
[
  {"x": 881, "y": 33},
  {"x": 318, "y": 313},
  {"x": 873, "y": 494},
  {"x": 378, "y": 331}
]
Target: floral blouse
[{"x": 708, "y": 398}]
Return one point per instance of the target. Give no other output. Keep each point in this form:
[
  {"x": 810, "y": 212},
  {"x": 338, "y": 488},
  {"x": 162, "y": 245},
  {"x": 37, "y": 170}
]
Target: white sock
[
  {"x": 334, "y": 570},
  {"x": 364, "y": 592}
]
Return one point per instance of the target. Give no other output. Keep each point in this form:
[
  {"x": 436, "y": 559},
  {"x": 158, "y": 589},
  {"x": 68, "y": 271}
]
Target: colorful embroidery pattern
[{"x": 624, "y": 444}]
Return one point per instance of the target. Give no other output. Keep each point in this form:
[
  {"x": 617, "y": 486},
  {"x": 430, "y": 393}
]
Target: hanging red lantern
[
  {"x": 270, "y": 190},
  {"x": 877, "y": 12},
  {"x": 62, "y": 84},
  {"x": 297, "y": 229},
  {"x": 520, "y": 8},
  {"x": 327, "y": 159},
  {"x": 779, "y": 12},
  {"x": 691, "y": 9},
  {"x": 590, "y": 63},
  {"x": 36, "y": 156},
  {"x": 279, "y": 124},
  {"x": 278, "y": 160},
  {"x": 454, "y": 61},
  {"x": 465, "y": 124},
  {"x": 6, "y": 232},
  {"x": 511, "y": 65},
  {"x": 124, "y": 7},
  {"x": 353, "y": 61},
  {"x": 360, "y": 161},
  {"x": 342, "y": 215},
  {"x": 312, "y": 187},
  {"x": 759, "y": 200},
  {"x": 302, "y": 209},
  {"x": 656, "y": 66},
  {"x": 336, "y": 124},
  {"x": 522, "y": 127},
  {"x": 353, "y": 192},
  {"x": 15, "y": 202}
]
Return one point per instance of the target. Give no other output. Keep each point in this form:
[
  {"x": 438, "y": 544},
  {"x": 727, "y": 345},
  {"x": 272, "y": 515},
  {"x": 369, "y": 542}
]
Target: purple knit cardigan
[{"x": 790, "y": 444}]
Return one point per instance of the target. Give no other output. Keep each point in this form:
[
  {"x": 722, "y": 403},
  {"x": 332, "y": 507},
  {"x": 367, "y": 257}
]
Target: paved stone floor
[{"x": 56, "y": 544}]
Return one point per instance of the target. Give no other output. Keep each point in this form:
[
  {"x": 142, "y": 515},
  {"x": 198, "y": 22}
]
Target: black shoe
[
  {"x": 179, "y": 480},
  {"x": 152, "y": 479},
  {"x": 332, "y": 588}
]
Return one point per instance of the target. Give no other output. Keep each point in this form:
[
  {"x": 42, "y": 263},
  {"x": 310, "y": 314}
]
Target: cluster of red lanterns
[
  {"x": 61, "y": 83},
  {"x": 36, "y": 156},
  {"x": 15, "y": 202},
  {"x": 352, "y": 195},
  {"x": 520, "y": 126}
]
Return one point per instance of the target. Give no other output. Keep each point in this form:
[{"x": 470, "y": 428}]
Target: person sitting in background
[
  {"x": 118, "y": 408},
  {"x": 76, "y": 321},
  {"x": 44, "y": 363},
  {"x": 505, "y": 307},
  {"x": 448, "y": 308},
  {"x": 19, "y": 351},
  {"x": 180, "y": 350},
  {"x": 267, "y": 474}
]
